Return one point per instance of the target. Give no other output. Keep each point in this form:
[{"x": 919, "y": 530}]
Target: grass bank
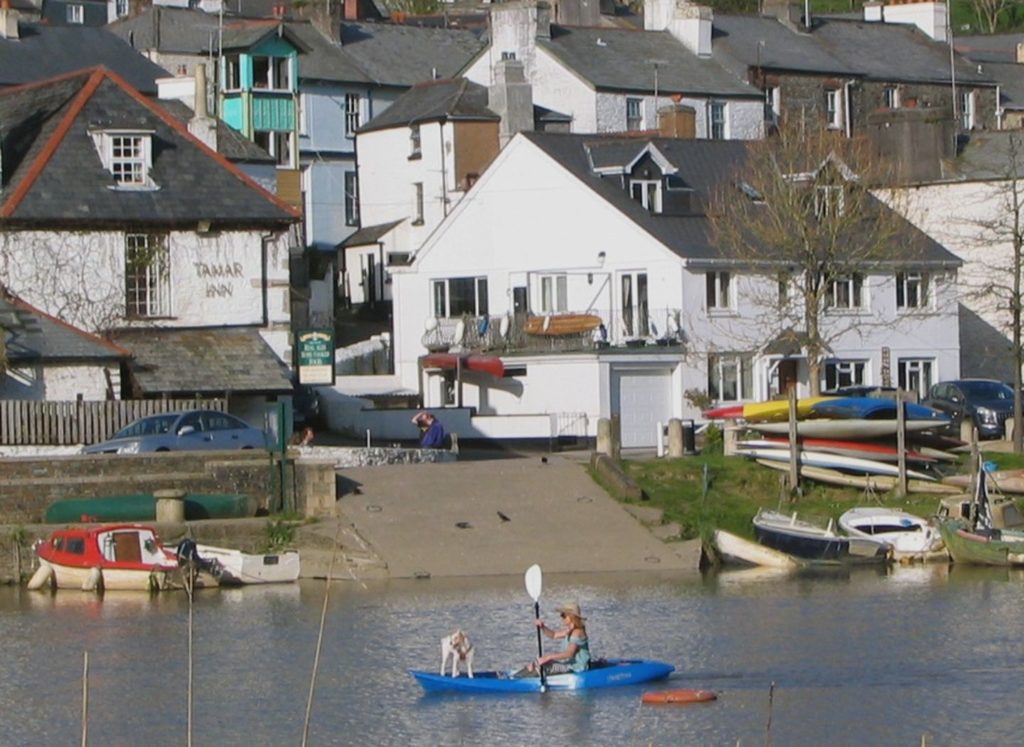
[{"x": 711, "y": 490}]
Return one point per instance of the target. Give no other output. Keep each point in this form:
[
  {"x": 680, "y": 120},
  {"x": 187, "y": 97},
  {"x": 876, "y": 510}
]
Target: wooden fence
[{"x": 28, "y": 422}]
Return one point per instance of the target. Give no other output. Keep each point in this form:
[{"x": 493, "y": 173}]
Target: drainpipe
[
  {"x": 265, "y": 279},
  {"x": 846, "y": 108},
  {"x": 444, "y": 175}
]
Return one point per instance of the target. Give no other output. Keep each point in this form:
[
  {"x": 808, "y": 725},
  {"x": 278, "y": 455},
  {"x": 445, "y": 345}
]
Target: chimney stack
[
  {"x": 8, "y": 21},
  {"x": 511, "y": 98},
  {"x": 202, "y": 125}
]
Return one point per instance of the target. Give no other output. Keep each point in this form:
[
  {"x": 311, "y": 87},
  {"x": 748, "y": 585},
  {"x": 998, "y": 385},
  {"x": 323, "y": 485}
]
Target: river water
[{"x": 863, "y": 657}]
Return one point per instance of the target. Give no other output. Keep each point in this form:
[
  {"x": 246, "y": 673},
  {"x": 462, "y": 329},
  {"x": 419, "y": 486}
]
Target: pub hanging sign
[{"x": 315, "y": 356}]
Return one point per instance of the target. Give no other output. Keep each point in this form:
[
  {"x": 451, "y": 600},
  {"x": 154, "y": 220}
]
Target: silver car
[{"x": 192, "y": 430}]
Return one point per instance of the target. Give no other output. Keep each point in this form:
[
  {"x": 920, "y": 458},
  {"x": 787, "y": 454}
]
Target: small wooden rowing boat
[
  {"x": 607, "y": 673},
  {"x": 675, "y": 697},
  {"x": 557, "y": 325},
  {"x": 734, "y": 549}
]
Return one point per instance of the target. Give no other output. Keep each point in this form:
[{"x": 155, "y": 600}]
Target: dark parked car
[
  {"x": 192, "y": 430},
  {"x": 985, "y": 401}
]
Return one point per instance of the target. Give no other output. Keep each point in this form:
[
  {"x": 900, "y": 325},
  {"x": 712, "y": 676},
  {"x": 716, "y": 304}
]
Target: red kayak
[
  {"x": 859, "y": 449},
  {"x": 490, "y": 364}
]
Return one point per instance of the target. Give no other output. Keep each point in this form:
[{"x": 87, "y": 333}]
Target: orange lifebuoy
[{"x": 678, "y": 696}]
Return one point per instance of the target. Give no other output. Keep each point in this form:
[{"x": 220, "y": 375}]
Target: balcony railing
[{"x": 558, "y": 332}]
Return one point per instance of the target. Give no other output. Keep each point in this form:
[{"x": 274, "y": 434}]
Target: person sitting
[
  {"x": 575, "y": 657},
  {"x": 432, "y": 433}
]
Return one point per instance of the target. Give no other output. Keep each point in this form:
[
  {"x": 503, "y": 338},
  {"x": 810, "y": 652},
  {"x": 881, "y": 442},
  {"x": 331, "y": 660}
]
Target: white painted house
[
  {"x": 618, "y": 80},
  {"x": 114, "y": 218},
  {"x": 614, "y": 228}
]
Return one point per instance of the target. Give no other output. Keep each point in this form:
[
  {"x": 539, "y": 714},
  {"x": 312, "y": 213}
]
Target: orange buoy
[{"x": 663, "y": 697}]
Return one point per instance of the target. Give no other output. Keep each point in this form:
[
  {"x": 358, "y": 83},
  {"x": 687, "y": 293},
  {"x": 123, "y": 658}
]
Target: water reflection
[{"x": 930, "y": 648}]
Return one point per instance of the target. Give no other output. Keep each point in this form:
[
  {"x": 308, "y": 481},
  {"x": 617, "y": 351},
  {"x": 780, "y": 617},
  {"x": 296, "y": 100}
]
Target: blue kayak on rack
[
  {"x": 873, "y": 408},
  {"x": 605, "y": 673}
]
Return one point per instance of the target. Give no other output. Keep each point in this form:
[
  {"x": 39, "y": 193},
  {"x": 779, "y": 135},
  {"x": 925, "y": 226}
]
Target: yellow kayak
[{"x": 773, "y": 411}]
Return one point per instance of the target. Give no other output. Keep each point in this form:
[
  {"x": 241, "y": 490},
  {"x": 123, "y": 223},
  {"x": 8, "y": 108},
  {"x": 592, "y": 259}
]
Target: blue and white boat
[{"x": 604, "y": 673}]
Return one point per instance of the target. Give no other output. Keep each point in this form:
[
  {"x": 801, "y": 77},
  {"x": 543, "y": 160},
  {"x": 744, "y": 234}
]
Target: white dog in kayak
[{"x": 457, "y": 647}]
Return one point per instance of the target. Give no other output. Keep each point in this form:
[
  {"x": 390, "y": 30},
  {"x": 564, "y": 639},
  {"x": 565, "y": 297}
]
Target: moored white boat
[
  {"x": 812, "y": 542},
  {"x": 234, "y": 567},
  {"x": 911, "y": 537}
]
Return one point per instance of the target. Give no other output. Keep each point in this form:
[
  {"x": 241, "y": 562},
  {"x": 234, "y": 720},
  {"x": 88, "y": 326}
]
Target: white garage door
[{"x": 644, "y": 399}]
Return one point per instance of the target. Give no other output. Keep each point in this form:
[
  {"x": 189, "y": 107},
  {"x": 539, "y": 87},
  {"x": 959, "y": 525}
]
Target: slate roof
[
  {"x": 701, "y": 165},
  {"x": 624, "y": 60},
  {"x": 987, "y": 156},
  {"x": 204, "y": 361},
  {"x": 44, "y": 52},
  {"x": 53, "y": 173},
  {"x": 34, "y": 336},
  {"x": 435, "y": 101},
  {"x": 400, "y": 55},
  {"x": 1010, "y": 77},
  {"x": 989, "y": 47},
  {"x": 849, "y": 48},
  {"x": 369, "y": 234},
  {"x": 185, "y": 31}
]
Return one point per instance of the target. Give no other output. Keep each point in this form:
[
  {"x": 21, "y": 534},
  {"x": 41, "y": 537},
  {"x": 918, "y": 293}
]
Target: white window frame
[
  {"x": 772, "y": 103},
  {"x": 121, "y": 8},
  {"x": 351, "y": 181},
  {"x": 891, "y": 97},
  {"x": 554, "y": 293},
  {"x": 916, "y": 375},
  {"x": 634, "y": 113},
  {"x": 718, "y": 291},
  {"x": 718, "y": 127},
  {"x": 231, "y": 72},
  {"x": 634, "y": 302},
  {"x": 647, "y": 192},
  {"x": 847, "y": 293},
  {"x": 833, "y": 109},
  {"x": 967, "y": 103},
  {"x": 837, "y": 372},
  {"x": 147, "y": 286},
  {"x": 75, "y": 13},
  {"x": 740, "y": 365},
  {"x": 441, "y": 297},
  {"x": 303, "y": 113},
  {"x": 128, "y": 156},
  {"x": 913, "y": 291},
  {"x": 829, "y": 201},
  {"x": 353, "y": 113}
]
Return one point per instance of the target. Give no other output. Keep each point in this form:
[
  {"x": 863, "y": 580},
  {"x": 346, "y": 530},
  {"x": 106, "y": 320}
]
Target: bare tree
[
  {"x": 989, "y": 12},
  {"x": 800, "y": 211}
]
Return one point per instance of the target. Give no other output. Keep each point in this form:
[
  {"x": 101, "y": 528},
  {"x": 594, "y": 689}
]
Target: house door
[
  {"x": 370, "y": 281},
  {"x": 787, "y": 371},
  {"x": 633, "y": 302}
]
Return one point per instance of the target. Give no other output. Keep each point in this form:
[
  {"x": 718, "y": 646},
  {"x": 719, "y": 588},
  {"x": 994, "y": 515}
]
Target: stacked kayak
[{"x": 607, "y": 673}]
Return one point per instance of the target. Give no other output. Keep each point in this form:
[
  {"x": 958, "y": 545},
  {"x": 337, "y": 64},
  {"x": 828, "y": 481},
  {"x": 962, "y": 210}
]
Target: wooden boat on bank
[
  {"x": 734, "y": 549},
  {"x": 812, "y": 542},
  {"x": 118, "y": 556},
  {"x": 606, "y": 673},
  {"x": 999, "y": 547},
  {"x": 558, "y": 325}
]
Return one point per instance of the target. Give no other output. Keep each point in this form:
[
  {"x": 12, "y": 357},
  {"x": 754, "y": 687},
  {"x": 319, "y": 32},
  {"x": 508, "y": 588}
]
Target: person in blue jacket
[{"x": 432, "y": 433}]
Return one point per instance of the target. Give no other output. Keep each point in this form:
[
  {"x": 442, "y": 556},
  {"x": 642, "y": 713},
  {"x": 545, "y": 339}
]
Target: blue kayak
[
  {"x": 873, "y": 408},
  {"x": 606, "y": 673}
]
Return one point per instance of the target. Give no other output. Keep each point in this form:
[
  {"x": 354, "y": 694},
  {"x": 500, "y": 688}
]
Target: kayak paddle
[{"x": 534, "y": 582}]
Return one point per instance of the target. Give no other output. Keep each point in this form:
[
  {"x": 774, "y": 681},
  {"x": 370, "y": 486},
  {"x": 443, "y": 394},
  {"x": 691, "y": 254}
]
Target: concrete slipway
[{"x": 496, "y": 517}]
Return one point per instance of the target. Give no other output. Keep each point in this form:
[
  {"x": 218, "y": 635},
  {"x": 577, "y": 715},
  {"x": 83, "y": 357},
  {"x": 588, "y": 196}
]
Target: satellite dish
[
  {"x": 460, "y": 332},
  {"x": 503, "y": 326},
  {"x": 430, "y": 324}
]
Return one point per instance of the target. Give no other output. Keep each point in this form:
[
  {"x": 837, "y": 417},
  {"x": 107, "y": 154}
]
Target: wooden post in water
[
  {"x": 901, "y": 445},
  {"x": 794, "y": 446},
  {"x": 85, "y": 699}
]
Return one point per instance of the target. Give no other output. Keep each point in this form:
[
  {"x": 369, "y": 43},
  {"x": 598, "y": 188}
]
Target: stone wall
[{"x": 31, "y": 484}]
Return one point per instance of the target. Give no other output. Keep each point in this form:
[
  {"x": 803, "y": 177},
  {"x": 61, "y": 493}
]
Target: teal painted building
[{"x": 259, "y": 86}]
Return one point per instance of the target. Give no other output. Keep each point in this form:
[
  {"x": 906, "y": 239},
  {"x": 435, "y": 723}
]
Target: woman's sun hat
[{"x": 571, "y": 608}]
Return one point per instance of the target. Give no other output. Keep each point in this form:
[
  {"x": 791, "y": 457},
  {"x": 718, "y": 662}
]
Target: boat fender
[
  {"x": 665, "y": 697},
  {"x": 42, "y": 577},
  {"x": 503, "y": 326},
  {"x": 94, "y": 581}
]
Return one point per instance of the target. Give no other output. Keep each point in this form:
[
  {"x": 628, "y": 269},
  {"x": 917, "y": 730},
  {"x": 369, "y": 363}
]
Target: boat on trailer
[
  {"x": 602, "y": 673},
  {"x": 106, "y": 557}
]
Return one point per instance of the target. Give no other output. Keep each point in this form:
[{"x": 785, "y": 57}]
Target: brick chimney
[
  {"x": 8, "y": 21},
  {"x": 202, "y": 125}
]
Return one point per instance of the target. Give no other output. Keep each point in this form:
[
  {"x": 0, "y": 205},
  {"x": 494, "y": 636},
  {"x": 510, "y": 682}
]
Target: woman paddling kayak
[{"x": 575, "y": 657}]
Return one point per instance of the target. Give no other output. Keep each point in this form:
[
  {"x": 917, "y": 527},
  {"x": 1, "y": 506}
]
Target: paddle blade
[{"x": 534, "y": 582}]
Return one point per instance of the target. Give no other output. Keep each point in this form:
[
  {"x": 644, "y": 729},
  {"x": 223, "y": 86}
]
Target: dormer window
[
  {"x": 647, "y": 192},
  {"x": 128, "y": 156}
]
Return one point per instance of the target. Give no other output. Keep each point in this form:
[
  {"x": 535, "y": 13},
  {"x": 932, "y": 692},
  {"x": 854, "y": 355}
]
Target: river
[{"x": 864, "y": 657}]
